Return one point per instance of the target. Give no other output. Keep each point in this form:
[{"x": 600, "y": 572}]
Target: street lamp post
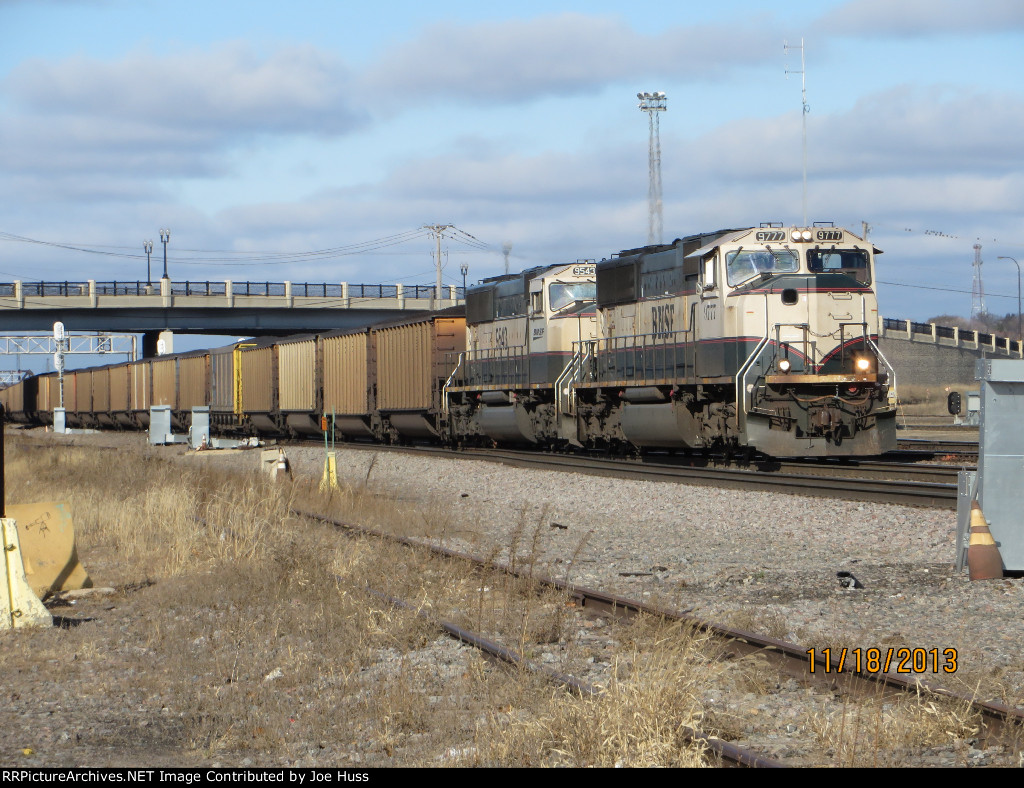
[
  {"x": 1019, "y": 337},
  {"x": 465, "y": 270},
  {"x": 165, "y": 236},
  {"x": 147, "y": 247}
]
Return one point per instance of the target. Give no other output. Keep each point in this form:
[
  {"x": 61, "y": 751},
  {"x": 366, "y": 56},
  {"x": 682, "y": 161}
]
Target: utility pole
[
  {"x": 438, "y": 231},
  {"x": 652, "y": 104},
  {"x": 806, "y": 108}
]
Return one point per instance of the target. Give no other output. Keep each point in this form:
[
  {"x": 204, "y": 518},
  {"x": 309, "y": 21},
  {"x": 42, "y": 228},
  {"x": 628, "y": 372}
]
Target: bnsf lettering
[
  {"x": 663, "y": 318},
  {"x": 771, "y": 235},
  {"x": 501, "y": 337},
  {"x": 829, "y": 235},
  {"x": 584, "y": 270}
]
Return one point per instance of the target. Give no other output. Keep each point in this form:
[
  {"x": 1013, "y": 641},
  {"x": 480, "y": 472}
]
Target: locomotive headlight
[
  {"x": 863, "y": 363},
  {"x": 805, "y": 235},
  {"x": 784, "y": 365},
  {"x": 795, "y": 235}
]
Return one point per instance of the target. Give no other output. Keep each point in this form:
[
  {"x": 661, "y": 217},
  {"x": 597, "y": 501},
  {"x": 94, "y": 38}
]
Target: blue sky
[{"x": 258, "y": 126}]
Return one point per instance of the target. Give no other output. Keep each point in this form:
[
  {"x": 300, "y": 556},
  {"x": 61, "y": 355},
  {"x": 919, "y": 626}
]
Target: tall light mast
[
  {"x": 652, "y": 104},
  {"x": 805, "y": 109},
  {"x": 977, "y": 290}
]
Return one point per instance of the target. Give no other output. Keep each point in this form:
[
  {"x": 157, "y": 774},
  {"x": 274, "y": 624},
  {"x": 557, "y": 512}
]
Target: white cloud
[
  {"x": 225, "y": 90},
  {"x": 516, "y": 60},
  {"x": 914, "y": 18}
]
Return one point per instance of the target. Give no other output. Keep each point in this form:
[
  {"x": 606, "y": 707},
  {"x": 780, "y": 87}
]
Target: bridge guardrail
[
  {"x": 956, "y": 336},
  {"x": 268, "y": 289}
]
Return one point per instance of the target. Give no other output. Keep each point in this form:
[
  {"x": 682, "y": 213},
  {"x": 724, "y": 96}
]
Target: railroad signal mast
[{"x": 652, "y": 104}]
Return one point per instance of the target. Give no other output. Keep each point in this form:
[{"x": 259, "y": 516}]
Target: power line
[{"x": 231, "y": 258}]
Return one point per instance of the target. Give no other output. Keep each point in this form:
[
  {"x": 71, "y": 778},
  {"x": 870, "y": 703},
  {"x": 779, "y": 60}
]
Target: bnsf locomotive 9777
[{"x": 739, "y": 340}]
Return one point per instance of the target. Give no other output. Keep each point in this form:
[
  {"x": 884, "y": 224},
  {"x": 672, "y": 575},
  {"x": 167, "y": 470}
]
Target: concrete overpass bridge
[
  {"x": 927, "y": 354},
  {"x": 226, "y": 307}
]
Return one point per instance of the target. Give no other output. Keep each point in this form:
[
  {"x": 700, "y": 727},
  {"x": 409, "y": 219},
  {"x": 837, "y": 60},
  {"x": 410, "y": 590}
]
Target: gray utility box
[
  {"x": 1001, "y": 456},
  {"x": 160, "y": 427}
]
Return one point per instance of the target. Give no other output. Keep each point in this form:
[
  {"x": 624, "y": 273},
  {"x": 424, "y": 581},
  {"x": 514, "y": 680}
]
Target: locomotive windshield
[
  {"x": 852, "y": 262},
  {"x": 563, "y": 294},
  {"x": 744, "y": 265}
]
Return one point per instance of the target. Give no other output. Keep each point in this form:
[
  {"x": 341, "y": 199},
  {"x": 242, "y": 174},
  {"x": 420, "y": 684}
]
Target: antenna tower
[
  {"x": 805, "y": 109},
  {"x": 977, "y": 290},
  {"x": 652, "y": 104}
]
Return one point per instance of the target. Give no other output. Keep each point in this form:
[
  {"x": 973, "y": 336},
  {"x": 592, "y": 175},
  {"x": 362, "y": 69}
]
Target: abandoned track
[
  {"x": 790, "y": 659},
  {"x": 729, "y": 753}
]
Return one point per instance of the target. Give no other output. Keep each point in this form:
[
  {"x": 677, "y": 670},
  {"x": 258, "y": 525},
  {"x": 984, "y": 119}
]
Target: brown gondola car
[
  {"x": 412, "y": 369},
  {"x": 298, "y": 384},
  {"x": 348, "y": 367},
  {"x": 257, "y": 375},
  {"x": 100, "y": 411},
  {"x": 140, "y": 391}
]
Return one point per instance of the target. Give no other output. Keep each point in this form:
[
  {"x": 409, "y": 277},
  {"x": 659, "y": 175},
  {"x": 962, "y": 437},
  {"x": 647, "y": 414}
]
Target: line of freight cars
[{"x": 383, "y": 382}]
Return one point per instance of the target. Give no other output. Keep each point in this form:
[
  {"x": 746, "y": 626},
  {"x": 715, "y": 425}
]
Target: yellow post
[{"x": 330, "y": 477}]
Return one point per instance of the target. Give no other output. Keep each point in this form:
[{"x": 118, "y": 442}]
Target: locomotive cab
[
  {"x": 524, "y": 331},
  {"x": 812, "y": 379}
]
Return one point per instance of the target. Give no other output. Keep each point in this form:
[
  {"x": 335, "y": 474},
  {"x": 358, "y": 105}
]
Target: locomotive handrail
[
  {"x": 741, "y": 384},
  {"x": 508, "y": 366},
  {"x": 888, "y": 366},
  {"x": 571, "y": 374},
  {"x": 634, "y": 346},
  {"x": 741, "y": 374},
  {"x": 448, "y": 383}
]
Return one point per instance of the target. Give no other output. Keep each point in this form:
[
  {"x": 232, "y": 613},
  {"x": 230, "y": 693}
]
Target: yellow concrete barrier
[{"x": 47, "y": 536}]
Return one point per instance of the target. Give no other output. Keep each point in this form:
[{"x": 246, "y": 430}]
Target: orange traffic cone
[{"x": 983, "y": 559}]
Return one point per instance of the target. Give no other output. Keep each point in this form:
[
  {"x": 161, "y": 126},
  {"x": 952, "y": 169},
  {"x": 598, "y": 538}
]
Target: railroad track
[
  {"x": 1000, "y": 721},
  {"x": 936, "y": 447},
  {"x": 728, "y": 753},
  {"x": 933, "y": 486}
]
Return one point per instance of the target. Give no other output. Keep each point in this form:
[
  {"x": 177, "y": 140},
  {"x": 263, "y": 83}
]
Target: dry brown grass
[
  {"x": 257, "y": 642},
  {"x": 639, "y": 720},
  {"x": 893, "y": 733}
]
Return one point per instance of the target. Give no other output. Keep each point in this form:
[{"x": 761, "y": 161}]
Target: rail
[{"x": 222, "y": 288}]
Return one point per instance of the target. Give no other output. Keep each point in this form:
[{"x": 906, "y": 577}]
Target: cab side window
[{"x": 708, "y": 280}]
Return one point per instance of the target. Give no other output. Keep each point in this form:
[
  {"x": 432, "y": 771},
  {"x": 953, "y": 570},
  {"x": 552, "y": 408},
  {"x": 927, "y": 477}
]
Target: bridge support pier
[{"x": 151, "y": 342}]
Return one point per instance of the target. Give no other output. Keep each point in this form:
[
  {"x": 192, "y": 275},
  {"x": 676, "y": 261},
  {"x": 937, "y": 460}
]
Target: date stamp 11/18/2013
[{"x": 882, "y": 660}]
